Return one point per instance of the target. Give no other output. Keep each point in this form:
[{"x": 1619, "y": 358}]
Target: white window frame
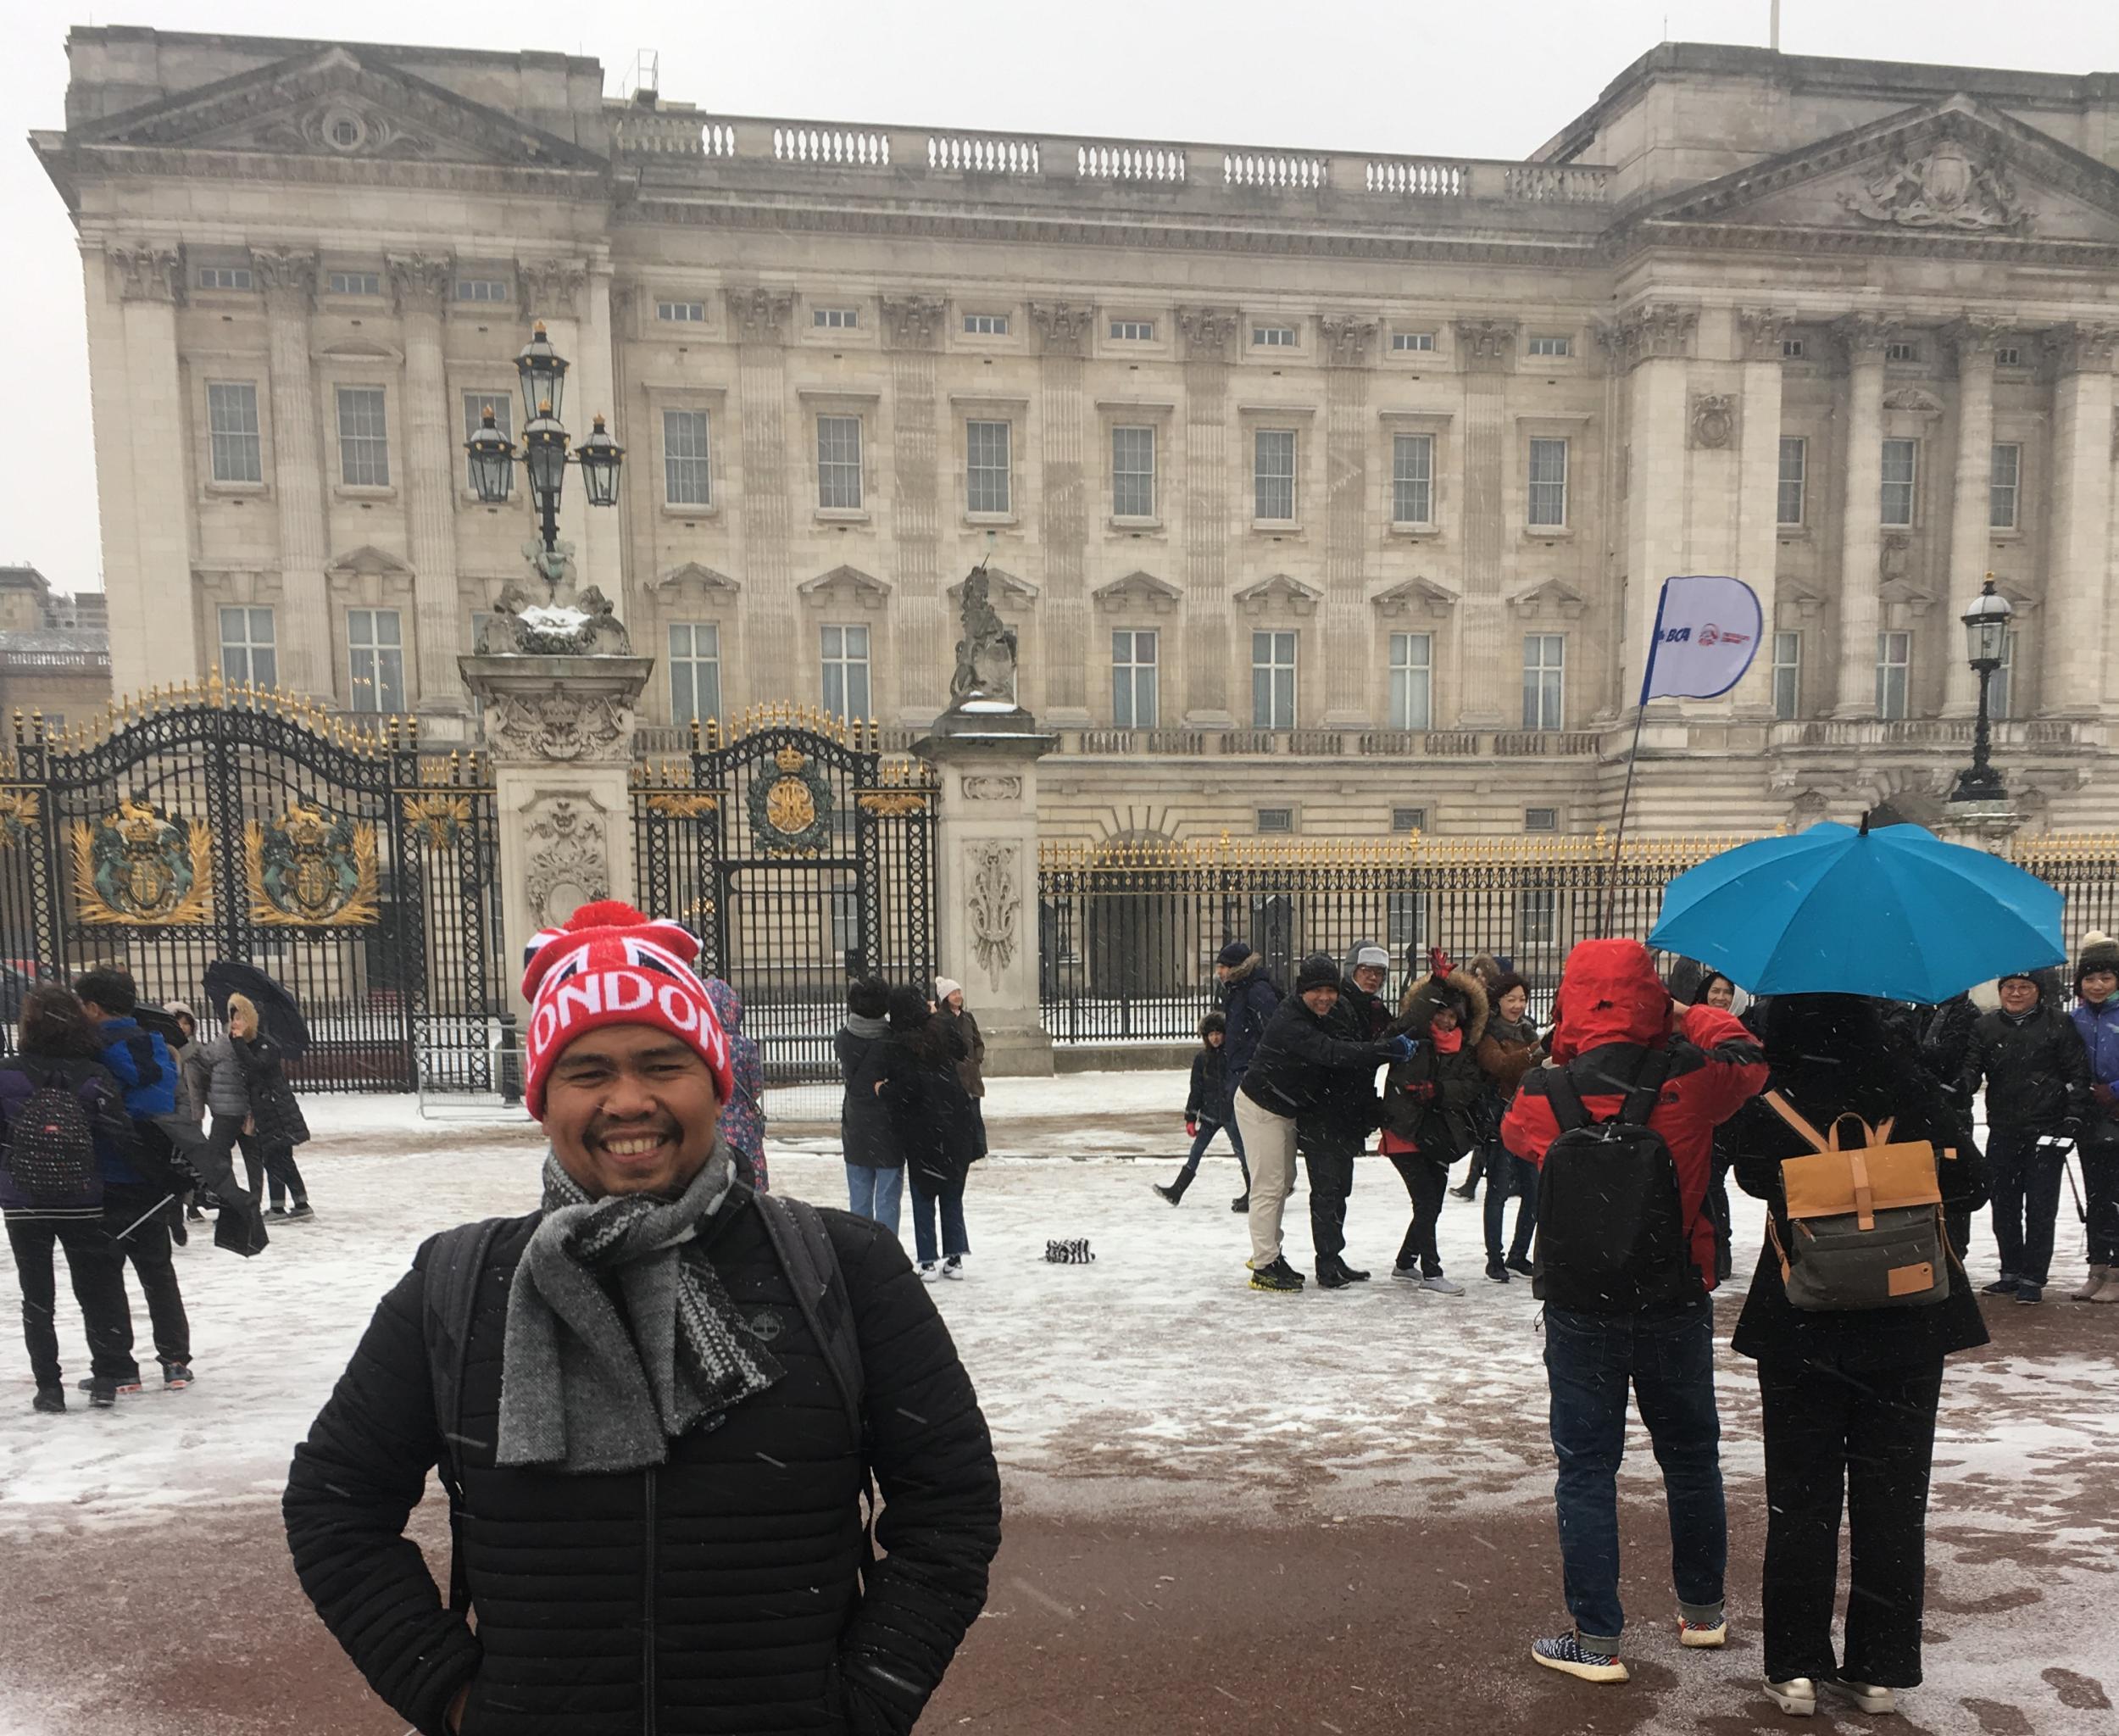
[
  {"x": 695, "y": 651},
  {"x": 1405, "y": 918},
  {"x": 363, "y": 445},
  {"x": 1538, "y": 916},
  {"x": 687, "y": 474},
  {"x": 1792, "y": 487},
  {"x": 1544, "y": 680},
  {"x": 1413, "y": 479},
  {"x": 1415, "y": 342},
  {"x": 247, "y": 653},
  {"x": 985, "y": 325},
  {"x": 989, "y": 468},
  {"x": 1894, "y": 674},
  {"x": 1888, "y": 501},
  {"x": 1788, "y": 675},
  {"x": 229, "y": 446},
  {"x": 481, "y": 289},
  {"x": 844, "y": 651},
  {"x": 1793, "y": 349},
  {"x": 1903, "y": 349},
  {"x": 474, "y": 403},
  {"x": 374, "y": 661},
  {"x": 226, "y": 277},
  {"x": 1133, "y": 331},
  {"x": 1276, "y": 658},
  {"x": 681, "y": 313},
  {"x": 2004, "y": 499},
  {"x": 839, "y": 474},
  {"x": 1136, "y": 678},
  {"x": 1274, "y": 337},
  {"x": 1551, "y": 343},
  {"x": 1132, "y": 487},
  {"x": 836, "y": 319},
  {"x": 1412, "y": 690},
  {"x": 1263, "y": 480},
  {"x": 1545, "y": 498},
  {"x": 355, "y": 283}
]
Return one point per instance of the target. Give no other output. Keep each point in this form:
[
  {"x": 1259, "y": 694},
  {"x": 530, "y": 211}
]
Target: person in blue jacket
[
  {"x": 2096, "y": 1016},
  {"x": 1248, "y": 998},
  {"x": 136, "y": 1186}
]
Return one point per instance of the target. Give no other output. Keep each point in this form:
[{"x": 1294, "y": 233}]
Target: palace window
[
  {"x": 1406, "y": 913},
  {"x": 1902, "y": 352},
  {"x": 835, "y": 319},
  {"x": 1795, "y": 474},
  {"x": 1403, "y": 341},
  {"x": 985, "y": 325},
  {"x": 226, "y": 277},
  {"x": 1275, "y": 819},
  {"x": 1894, "y": 659},
  {"x": 839, "y": 464},
  {"x": 1412, "y": 681},
  {"x": 247, "y": 653},
  {"x": 1541, "y": 820},
  {"x": 1538, "y": 916},
  {"x": 2010, "y": 355},
  {"x": 375, "y": 652},
  {"x": 356, "y": 283},
  {"x": 1900, "y": 460},
  {"x": 687, "y": 478},
  {"x": 1273, "y": 474},
  {"x": 1788, "y": 675},
  {"x": 1272, "y": 681},
  {"x": 1132, "y": 473},
  {"x": 2006, "y": 474},
  {"x": 1134, "y": 676},
  {"x": 363, "y": 437},
  {"x": 681, "y": 313},
  {"x": 476, "y": 404},
  {"x": 2001, "y": 684},
  {"x": 695, "y": 671},
  {"x": 1273, "y": 337},
  {"x": 1548, "y": 482},
  {"x": 1413, "y": 479},
  {"x": 1544, "y": 680},
  {"x": 845, "y": 655},
  {"x": 231, "y": 421},
  {"x": 1552, "y": 345},
  {"x": 1409, "y": 820},
  {"x": 1790, "y": 349},
  {"x": 985, "y": 467},
  {"x": 1133, "y": 331},
  {"x": 481, "y": 289}
]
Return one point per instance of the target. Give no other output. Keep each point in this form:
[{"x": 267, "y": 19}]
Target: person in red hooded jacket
[{"x": 1613, "y": 1019}]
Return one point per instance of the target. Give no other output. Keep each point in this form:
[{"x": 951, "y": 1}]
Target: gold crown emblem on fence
[
  {"x": 137, "y": 823},
  {"x": 307, "y": 829},
  {"x": 791, "y": 759}
]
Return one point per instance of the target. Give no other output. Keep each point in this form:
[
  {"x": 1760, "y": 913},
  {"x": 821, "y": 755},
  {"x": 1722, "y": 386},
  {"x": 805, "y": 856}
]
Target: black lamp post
[
  {"x": 1986, "y": 643},
  {"x": 542, "y": 370}
]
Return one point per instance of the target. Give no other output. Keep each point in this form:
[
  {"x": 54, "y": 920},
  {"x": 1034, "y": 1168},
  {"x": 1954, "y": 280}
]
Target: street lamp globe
[
  {"x": 1986, "y": 627},
  {"x": 544, "y": 456},
  {"x": 493, "y": 461},
  {"x": 543, "y": 371},
  {"x": 599, "y": 457}
]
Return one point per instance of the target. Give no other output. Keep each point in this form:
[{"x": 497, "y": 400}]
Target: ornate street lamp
[
  {"x": 544, "y": 455},
  {"x": 1986, "y": 642}
]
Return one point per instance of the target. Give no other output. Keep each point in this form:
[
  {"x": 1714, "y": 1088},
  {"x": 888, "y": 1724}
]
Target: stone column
[
  {"x": 560, "y": 731},
  {"x": 1209, "y": 528},
  {"x": 2071, "y": 660},
  {"x": 985, "y": 893},
  {"x": 304, "y": 631},
  {"x": 136, "y": 391},
  {"x": 1655, "y": 342},
  {"x": 1862, "y": 339},
  {"x": 911, "y": 332},
  {"x": 1969, "y": 532},
  {"x": 433, "y": 463},
  {"x": 765, "y": 524},
  {"x": 1760, "y": 332},
  {"x": 1345, "y": 341},
  {"x": 1485, "y": 669},
  {"x": 1063, "y": 331}
]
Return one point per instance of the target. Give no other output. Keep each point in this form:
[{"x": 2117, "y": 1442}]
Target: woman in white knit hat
[{"x": 970, "y": 1070}]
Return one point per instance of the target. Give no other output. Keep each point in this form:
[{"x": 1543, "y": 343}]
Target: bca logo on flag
[{"x": 1707, "y": 630}]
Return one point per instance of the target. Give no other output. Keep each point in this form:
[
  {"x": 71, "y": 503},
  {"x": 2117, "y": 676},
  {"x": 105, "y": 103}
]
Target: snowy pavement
[{"x": 1152, "y": 1387}]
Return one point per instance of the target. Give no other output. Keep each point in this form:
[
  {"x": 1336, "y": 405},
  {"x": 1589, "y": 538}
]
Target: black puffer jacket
[
  {"x": 937, "y": 1126},
  {"x": 866, "y": 1132},
  {"x": 1208, "y": 1101},
  {"x": 2036, "y": 1073},
  {"x": 725, "y": 1593},
  {"x": 1301, "y": 1062},
  {"x": 1249, "y": 999}
]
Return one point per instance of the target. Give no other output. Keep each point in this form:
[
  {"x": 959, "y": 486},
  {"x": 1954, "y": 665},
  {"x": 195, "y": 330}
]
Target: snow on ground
[{"x": 1152, "y": 1383}]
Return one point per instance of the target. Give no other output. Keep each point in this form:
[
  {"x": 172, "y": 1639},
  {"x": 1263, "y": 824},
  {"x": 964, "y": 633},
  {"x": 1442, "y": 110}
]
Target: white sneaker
[
  {"x": 1797, "y": 1696},
  {"x": 952, "y": 1267},
  {"x": 1441, "y": 1286},
  {"x": 929, "y": 1271},
  {"x": 1861, "y": 1696}
]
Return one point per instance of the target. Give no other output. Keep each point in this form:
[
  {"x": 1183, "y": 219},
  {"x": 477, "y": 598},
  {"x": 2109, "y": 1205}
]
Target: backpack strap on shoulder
[
  {"x": 454, "y": 1265},
  {"x": 1788, "y": 1112},
  {"x": 1647, "y": 1089},
  {"x": 1568, "y": 1109},
  {"x": 802, "y": 1245}
]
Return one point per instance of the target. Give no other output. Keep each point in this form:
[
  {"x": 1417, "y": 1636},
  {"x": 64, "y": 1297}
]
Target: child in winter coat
[
  {"x": 743, "y": 1115},
  {"x": 1206, "y": 1107},
  {"x": 1427, "y": 1103}
]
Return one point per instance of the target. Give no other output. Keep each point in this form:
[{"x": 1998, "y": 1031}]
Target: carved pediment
[
  {"x": 1416, "y": 596},
  {"x": 1279, "y": 594},
  {"x": 1138, "y": 593},
  {"x": 693, "y": 575},
  {"x": 845, "y": 585},
  {"x": 1002, "y": 584},
  {"x": 1955, "y": 170},
  {"x": 1908, "y": 594},
  {"x": 337, "y": 102},
  {"x": 1915, "y": 401},
  {"x": 368, "y": 561},
  {"x": 1550, "y": 597},
  {"x": 359, "y": 349}
]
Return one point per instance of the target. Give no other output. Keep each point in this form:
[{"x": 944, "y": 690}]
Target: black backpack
[
  {"x": 1611, "y": 1231},
  {"x": 50, "y": 1153},
  {"x": 457, "y": 1264}
]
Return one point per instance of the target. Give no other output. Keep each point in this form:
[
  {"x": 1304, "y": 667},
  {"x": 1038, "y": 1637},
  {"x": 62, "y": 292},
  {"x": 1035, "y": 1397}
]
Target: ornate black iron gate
[
  {"x": 224, "y": 822},
  {"x": 801, "y": 857}
]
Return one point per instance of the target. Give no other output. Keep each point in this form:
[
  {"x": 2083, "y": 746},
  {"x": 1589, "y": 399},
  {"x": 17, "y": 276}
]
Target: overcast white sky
[{"x": 1494, "y": 79}]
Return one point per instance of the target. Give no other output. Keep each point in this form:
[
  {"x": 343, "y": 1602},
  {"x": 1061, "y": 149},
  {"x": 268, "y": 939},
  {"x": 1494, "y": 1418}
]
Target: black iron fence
[{"x": 1129, "y": 933}]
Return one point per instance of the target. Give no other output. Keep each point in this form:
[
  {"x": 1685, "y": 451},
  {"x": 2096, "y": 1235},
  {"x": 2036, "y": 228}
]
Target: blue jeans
[
  {"x": 874, "y": 1193},
  {"x": 950, "y": 1197},
  {"x": 1204, "y": 1137},
  {"x": 1506, "y": 1174},
  {"x": 1669, "y": 1360}
]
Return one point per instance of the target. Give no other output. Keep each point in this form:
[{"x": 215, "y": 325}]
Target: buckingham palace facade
[{"x": 1329, "y": 492}]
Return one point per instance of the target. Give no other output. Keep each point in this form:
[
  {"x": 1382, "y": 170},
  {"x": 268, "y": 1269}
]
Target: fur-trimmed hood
[
  {"x": 1417, "y": 1011},
  {"x": 1250, "y": 966}
]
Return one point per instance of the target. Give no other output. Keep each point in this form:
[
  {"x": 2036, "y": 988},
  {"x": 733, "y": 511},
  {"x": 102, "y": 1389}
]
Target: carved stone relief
[
  {"x": 552, "y": 287},
  {"x": 146, "y": 273},
  {"x": 569, "y": 864},
  {"x": 911, "y": 321},
  {"x": 1063, "y": 327},
  {"x": 991, "y": 786},
  {"x": 285, "y": 274},
  {"x": 1347, "y": 339},
  {"x": 759, "y": 316},
  {"x": 1948, "y": 188},
  {"x": 419, "y": 282},
  {"x": 1714, "y": 419},
  {"x": 1763, "y": 330},
  {"x": 1206, "y": 332},
  {"x": 994, "y": 901},
  {"x": 558, "y": 726},
  {"x": 1654, "y": 329}
]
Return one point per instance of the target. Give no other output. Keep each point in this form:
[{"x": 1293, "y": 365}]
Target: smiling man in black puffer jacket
[{"x": 658, "y": 1401}]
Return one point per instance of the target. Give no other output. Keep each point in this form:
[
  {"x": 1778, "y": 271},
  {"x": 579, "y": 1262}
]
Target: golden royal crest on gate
[
  {"x": 311, "y": 868},
  {"x": 790, "y": 807},
  {"x": 143, "y": 868}
]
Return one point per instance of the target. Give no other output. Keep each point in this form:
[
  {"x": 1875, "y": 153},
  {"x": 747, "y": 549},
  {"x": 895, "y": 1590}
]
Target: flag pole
[{"x": 1632, "y": 760}]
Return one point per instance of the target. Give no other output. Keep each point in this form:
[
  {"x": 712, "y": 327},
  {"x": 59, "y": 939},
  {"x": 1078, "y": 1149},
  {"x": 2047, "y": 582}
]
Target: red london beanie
[{"x": 609, "y": 964}]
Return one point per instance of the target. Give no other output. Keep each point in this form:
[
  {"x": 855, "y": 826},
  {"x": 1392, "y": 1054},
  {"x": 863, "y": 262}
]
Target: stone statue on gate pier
[{"x": 985, "y": 654}]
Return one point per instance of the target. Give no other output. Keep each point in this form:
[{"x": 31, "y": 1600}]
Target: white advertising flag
[{"x": 1707, "y": 632}]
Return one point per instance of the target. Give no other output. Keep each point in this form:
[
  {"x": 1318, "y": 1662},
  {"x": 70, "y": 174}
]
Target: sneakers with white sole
[
  {"x": 1566, "y": 1653},
  {"x": 1861, "y": 1695},
  {"x": 952, "y": 1267},
  {"x": 1441, "y": 1286},
  {"x": 930, "y": 1271},
  {"x": 1705, "y": 1635},
  {"x": 1797, "y": 1696}
]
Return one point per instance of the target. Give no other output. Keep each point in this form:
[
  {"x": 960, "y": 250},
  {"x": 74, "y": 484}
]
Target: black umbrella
[
  {"x": 279, "y": 1014},
  {"x": 159, "y": 1021}
]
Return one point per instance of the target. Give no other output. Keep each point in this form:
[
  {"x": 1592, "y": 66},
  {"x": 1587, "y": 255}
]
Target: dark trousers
[
  {"x": 133, "y": 1215},
  {"x": 1331, "y": 1180},
  {"x": 928, "y": 1194},
  {"x": 98, "y": 1276},
  {"x": 2100, "y": 1199},
  {"x": 1668, "y": 1361},
  {"x": 1204, "y": 1137},
  {"x": 275, "y": 1161},
  {"x": 1235, "y": 1133},
  {"x": 1870, "y": 1436},
  {"x": 1508, "y": 1174},
  {"x": 2025, "y": 1178},
  {"x": 1426, "y": 1180}
]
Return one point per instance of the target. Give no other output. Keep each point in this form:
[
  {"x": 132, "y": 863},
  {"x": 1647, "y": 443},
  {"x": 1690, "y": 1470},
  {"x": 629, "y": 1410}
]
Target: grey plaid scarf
[{"x": 584, "y": 1388}]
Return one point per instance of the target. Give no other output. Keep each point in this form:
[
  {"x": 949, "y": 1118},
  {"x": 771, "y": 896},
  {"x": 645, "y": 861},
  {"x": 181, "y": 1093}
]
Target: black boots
[
  {"x": 1175, "y": 1190},
  {"x": 1333, "y": 1273}
]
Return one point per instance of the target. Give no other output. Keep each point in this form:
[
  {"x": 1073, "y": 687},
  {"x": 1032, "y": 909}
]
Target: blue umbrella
[{"x": 1895, "y": 913}]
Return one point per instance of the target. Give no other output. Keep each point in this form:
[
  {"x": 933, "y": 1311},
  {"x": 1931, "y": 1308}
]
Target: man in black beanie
[{"x": 1297, "y": 1064}]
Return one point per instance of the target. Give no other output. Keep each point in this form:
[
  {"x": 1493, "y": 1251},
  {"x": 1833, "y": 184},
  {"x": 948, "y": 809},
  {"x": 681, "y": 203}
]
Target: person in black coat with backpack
[
  {"x": 62, "y": 1113},
  {"x": 937, "y": 1128},
  {"x": 1848, "y": 1396}
]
